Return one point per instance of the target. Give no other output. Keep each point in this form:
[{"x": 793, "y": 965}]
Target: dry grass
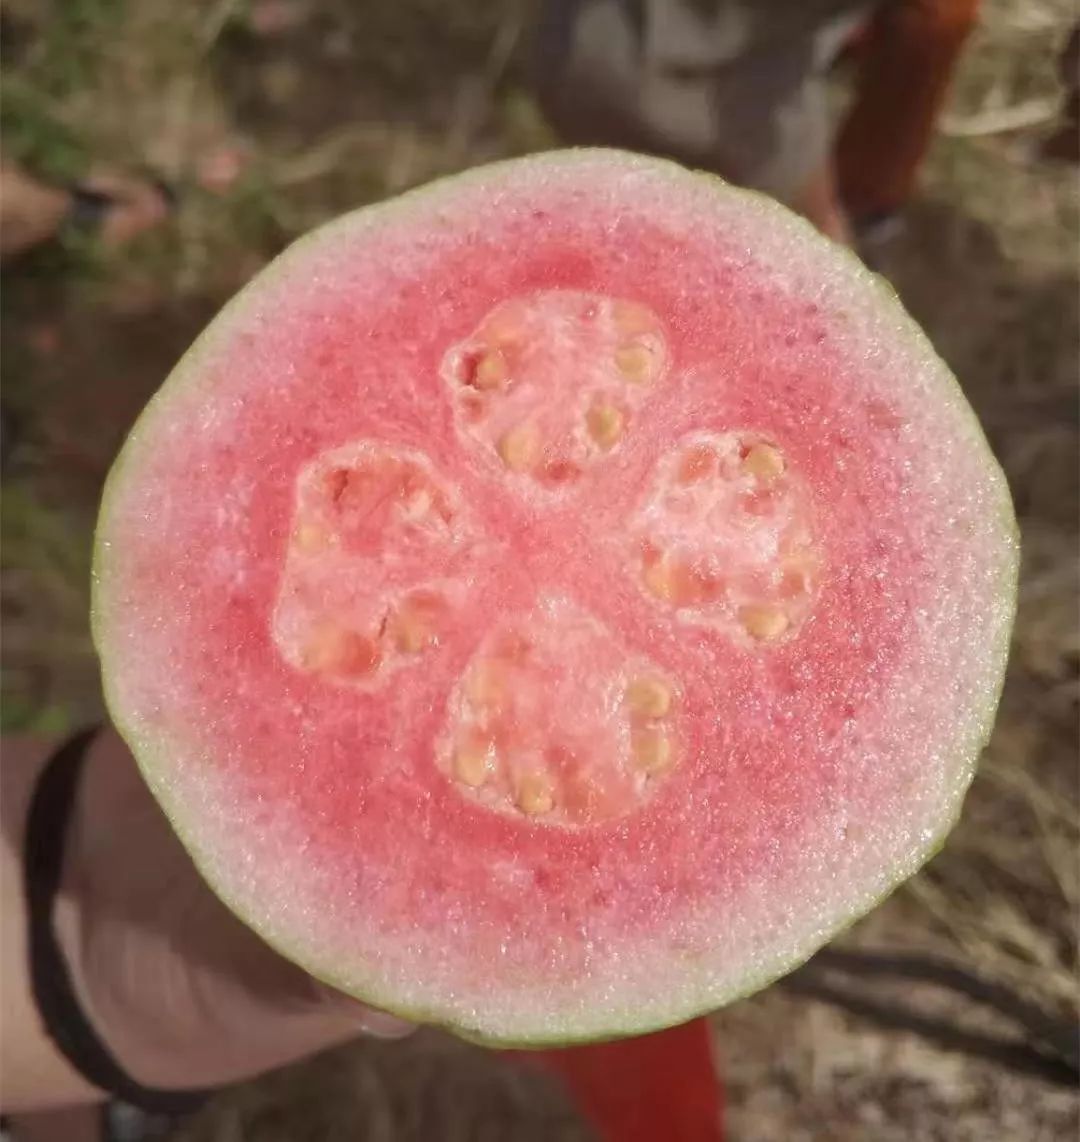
[{"x": 361, "y": 100}]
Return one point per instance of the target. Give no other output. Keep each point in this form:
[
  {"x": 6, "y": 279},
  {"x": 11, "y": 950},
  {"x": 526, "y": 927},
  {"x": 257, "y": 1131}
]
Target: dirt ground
[{"x": 268, "y": 118}]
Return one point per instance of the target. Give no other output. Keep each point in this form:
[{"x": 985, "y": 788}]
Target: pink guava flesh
[{"x": 555, "y": 602}]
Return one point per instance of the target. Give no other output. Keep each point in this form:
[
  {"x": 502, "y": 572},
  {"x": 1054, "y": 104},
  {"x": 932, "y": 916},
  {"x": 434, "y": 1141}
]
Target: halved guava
[{"x": 553, "y": 603}]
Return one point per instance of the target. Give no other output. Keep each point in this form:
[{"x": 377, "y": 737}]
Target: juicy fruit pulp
[
  {"x": 553, "y": 716},
  {"x": 554, "y": 603}
]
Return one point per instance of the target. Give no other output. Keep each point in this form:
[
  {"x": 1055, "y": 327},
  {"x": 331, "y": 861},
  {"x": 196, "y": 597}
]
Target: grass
[
  {"x": 360, "y": 100},
  {"x": 44, "y": 595}
]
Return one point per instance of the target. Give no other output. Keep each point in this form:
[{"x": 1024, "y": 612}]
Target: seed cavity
[
  {"x": 310, "y": 538},
  {"x": 677, "y": 582},
  {"x": 331, "y": 649},
  {"x": 725, "y": 535},
  {"x": 416, "y": 625},
  {"x": 562, "y": 721},
  {"x": 519, "y": 448},
  {"x": 513, "y": 646},
  {"x": 637, "y": 362},
  {"x": 472, "y": 761},
  {"x": 490, "y": 371},
  {"x": 606, "y": 424},
  {"x": 571, "y": 367},
  {"x": 652, "y": 750},
  {"x": 764, "y": 461},
  {"x": 648, "y": 697},
  {"x": 697, "y": 463},
  {"x": 797, "y": 576},
  {"x": 632, "y": 319},
  {"x": 487, "y": 685},
  {"x": 764, "y": 623},
  {"x": 559, "y": 472},
  {"x": 659, "y": 577},
  {"x": 356, "y": 600},
  {"x": 535, "y": 796}
]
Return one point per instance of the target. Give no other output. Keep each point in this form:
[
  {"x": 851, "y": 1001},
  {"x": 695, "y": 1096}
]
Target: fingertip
[
  {"x": 381, "y": 1025},
  {"x": 371, "y": 1021}
]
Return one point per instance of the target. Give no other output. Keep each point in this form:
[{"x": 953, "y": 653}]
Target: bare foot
[
  {"x": 117, "y": 207},
  {"x": 135, "y": 206},
  {"x": 30, "y": 213}
]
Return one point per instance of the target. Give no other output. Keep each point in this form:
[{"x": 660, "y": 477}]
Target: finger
[
  {"x": 367, "y": 1020},
  {"x": 382, "y": 1025}
]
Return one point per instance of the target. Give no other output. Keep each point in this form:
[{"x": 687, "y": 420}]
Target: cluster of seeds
[
  {"x": 530, "y": 734},
  {"x": 552, "y": 718},
  {"x": 550, "y": 386}
]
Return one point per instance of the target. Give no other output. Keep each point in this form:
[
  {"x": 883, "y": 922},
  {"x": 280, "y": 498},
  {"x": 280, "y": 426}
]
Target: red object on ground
[{"x": 655, "y": 1088}]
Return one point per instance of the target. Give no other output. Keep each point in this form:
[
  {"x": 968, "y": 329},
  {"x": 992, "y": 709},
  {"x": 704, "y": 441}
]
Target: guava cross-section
[{"x": 554, "y": 602}]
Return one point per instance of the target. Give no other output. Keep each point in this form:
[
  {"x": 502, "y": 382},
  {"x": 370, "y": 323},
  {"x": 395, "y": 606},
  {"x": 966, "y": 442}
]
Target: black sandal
[{"x": 89, "y": 206}]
